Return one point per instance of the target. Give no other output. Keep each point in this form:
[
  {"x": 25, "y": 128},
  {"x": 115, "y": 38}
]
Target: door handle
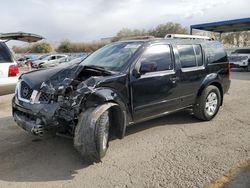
[{"x": 173, "y": 79}]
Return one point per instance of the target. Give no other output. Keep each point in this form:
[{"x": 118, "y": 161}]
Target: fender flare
[{"x": 211, "y": 79}]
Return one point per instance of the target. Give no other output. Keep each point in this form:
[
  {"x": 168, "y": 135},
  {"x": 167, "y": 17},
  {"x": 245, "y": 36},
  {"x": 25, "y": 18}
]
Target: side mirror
[
  {"x": 135, "y": 73},
  {"x": 148, "y": 67}
]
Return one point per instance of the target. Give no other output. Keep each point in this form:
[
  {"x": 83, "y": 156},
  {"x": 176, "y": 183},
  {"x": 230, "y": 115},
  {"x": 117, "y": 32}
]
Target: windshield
[
  {"x": 113, "y": 57},
  {"x": 43, "y": 57},
  {"x": 46, "y": 57},
  {"x": 242, "y": 51}
]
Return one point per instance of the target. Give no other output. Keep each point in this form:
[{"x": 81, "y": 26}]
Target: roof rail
[
  {"x": 138, "y": 37},
  {"x": 182, "y": 36}
]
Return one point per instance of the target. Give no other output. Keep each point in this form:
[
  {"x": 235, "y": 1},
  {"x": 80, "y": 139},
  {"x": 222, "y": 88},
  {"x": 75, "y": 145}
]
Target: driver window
[
  {"x": 160, "y": 56},
  {"x": 53, "y": 58}
]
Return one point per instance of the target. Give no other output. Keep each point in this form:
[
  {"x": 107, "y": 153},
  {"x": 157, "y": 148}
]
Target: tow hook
[{"x": 37, "y": 130}]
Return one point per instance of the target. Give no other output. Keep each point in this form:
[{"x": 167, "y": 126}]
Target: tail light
[
  {"x": 228, "y": 69},
  {"x": 13, "y": 70}
]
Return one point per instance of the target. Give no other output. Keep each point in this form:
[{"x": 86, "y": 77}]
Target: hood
[
  {"x": 54, "y": 79},
  {"x": 57, "y": 74}
]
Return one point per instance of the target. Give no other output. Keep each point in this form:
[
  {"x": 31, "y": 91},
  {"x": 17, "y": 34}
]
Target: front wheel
[
  {"x": 91, "y": 137},
  {"x": 102, "y": 134},
  {"x": 208, "y": 104}
]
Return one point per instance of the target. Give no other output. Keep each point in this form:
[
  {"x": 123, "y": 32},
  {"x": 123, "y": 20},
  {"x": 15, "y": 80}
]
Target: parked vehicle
[
  {"x": 121, "y": 84},
  {"x": 76, "y": 60},
  {"x": 240, "y": 58},
  {"x": 50, "y": 61},
  {"x": 36, "y": 58},
  {"x": 8, "y": 67}
]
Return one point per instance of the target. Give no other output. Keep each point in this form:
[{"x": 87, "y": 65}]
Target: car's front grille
[
  {"x": 44, "y": 97},
  {"x": 25, "y": 91}
]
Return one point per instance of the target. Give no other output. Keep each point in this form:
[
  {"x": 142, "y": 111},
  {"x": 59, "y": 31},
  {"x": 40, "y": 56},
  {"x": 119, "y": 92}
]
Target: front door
[{"x": 154, "y": 90}]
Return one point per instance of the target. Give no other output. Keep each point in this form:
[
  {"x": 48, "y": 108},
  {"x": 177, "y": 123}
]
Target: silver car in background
[{"x": 50, "y": 61}]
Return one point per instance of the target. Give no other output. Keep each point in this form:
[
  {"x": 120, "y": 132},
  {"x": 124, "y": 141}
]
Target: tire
[
  {"x": 92, "y": 135},
  {"x": 40, "y": 66},
  {"x": 102, "y": 134},
  {"x": 208, "y": 104},
  {"x": 248, "y": 67}
]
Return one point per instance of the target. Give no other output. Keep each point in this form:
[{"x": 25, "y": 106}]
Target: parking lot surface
[{"x": 173, "y": 151}]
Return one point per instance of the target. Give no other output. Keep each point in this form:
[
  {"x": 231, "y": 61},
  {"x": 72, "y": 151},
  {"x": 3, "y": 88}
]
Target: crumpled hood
[{"x": 57, "y": 74}]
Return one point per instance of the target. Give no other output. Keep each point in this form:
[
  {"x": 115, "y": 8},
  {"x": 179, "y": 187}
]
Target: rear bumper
[
  {"x": 226, "y": 86},
  {"x": 238, "y": 64},
  {"x": 8, "y": 85}
]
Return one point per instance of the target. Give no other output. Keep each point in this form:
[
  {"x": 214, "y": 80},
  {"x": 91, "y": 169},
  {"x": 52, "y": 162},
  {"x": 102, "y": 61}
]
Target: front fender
[{"x": 104, "y": 95}]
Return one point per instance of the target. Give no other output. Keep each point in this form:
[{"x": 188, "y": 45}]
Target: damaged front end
[{"x": 40, "y": 105}]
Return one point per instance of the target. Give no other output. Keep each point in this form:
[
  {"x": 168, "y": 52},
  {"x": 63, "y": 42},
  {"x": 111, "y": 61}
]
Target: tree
[
  {"x": 68, "y": 47},
  {"x": 64, "y": 47},
  {"x": 160, "y": 31},
  {"x": 42, "y": 47},
  {"x": 125, "y": 33},
  {"x": 168, "y": 28},
  {"x": 236, "y": 39}
]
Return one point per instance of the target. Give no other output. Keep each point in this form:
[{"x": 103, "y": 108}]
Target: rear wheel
[
  {"x": 248, "y": 67},
  {"x": 208, "y": 104}
]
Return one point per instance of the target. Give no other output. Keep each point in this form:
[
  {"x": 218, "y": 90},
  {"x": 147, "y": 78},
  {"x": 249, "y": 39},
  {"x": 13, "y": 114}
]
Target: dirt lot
[{"x": 172, "y": 151}]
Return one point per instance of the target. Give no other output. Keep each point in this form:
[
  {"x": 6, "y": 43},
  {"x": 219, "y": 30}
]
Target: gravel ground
[{"x": 172, "y": 151}]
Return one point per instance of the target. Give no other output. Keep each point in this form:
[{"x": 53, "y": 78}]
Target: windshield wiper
[{"x": 99, "y": 68}]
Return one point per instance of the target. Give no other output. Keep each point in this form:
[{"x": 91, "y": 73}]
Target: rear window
[{"x": 5, "y": 55}]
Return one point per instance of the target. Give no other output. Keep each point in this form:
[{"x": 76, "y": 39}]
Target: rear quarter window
[
  {"x": 215, "y": 53},
  {"x": 5, "y": 54}
]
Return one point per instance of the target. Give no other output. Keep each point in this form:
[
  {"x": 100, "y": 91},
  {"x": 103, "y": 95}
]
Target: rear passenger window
[
  {"x": 160, "y": 55},
  {"x": 5, "y": 54},
  {"x": 190, "y": 55}
]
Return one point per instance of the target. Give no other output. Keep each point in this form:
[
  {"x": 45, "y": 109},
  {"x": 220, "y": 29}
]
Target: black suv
[{"x": 121, "y": 84}]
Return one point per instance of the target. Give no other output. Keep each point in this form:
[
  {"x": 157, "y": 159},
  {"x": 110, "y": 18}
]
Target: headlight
[{"x": 17, "y": 87}]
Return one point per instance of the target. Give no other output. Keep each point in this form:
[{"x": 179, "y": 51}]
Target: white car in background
[
  {"x": 240, "y": 58},
  {"x": 9, "y": 71},
  {"x": 50, "y": 61}
]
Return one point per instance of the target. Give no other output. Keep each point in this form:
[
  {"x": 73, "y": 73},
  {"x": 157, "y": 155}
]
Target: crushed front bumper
[{"x": 34, "y": 118}]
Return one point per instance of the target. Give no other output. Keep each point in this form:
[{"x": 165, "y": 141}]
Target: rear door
[
  {"x": 192, "y": 72},
  {"x": 154, "y": 93}
]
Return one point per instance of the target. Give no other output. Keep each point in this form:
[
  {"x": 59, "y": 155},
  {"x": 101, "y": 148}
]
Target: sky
[{"x": 81, "y": 20}]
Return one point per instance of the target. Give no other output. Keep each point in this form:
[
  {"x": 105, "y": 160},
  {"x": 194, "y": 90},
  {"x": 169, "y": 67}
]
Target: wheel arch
[
  {"x": 214, "y": 80},
  {"x": 118, "y": 108}
]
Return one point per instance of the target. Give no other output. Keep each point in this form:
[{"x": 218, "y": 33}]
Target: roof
[
  {"x": 170, "y": 41},
  {"x": 242, "y": 24}
]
